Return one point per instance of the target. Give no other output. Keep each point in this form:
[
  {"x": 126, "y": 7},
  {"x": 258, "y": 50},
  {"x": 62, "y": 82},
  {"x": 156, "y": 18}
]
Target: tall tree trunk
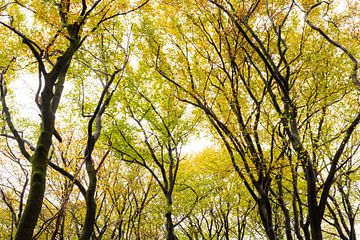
[
  {"x": 34, "y": 202},
  {"x": 313, "y": 209},
  {"x": 266, "y": 217},
  {"x": 169, "y": 222},
  {"x": 39, "y": 162},
  {"x": 352, "y": 230},
  {"x": 90, "y": 202},
  {"x": 316, "y": 233},
  {"x": 93, "y": 136},
  {"x": 283, "y": 207},
  {"x": 170, "y": 227},
  {"x": 50, "y": 99}
]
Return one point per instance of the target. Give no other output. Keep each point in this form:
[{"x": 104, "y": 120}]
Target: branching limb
[
  {"x": 8, "y": 119},
  {"x": 354, "y": 74},
  {"x": 35, "y": 49}
]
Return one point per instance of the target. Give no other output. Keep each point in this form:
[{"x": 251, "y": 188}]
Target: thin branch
[{"x": 353, "y": 75}]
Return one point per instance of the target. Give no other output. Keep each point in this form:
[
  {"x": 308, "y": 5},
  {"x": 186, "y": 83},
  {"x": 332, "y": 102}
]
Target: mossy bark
[
  {"x": 50, "y": 99},
  {"x": 34, "y": 202}
]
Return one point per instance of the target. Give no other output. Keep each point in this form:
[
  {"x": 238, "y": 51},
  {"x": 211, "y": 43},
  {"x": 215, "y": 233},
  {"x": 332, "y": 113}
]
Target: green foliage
[{"x": 274, "y": 93}]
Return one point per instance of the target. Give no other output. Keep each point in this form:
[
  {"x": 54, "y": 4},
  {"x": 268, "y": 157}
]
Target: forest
[{"x": 169, "y": 119}]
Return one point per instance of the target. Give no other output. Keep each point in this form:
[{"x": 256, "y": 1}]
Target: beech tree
[
  {"x": 223, "y": 211},
  {"x": 273, "y": 84},
  {"x": 65, "y": 26},
  {"x": 251, "y": 78},
  {"x": 151, "y": 131}
]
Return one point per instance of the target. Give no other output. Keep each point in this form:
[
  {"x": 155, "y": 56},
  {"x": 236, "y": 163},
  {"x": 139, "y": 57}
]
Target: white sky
[{"x": 24, "y": 89}]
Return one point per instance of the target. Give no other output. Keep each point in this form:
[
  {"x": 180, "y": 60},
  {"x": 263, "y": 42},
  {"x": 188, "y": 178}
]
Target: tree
[
  {"x": 274, "y": 83},
  {"x": 67, "y": 25},
  {"x": 222, "y": 210},
  {"x": 150, "y": 131},
  {"x": 251, "y": 79}
]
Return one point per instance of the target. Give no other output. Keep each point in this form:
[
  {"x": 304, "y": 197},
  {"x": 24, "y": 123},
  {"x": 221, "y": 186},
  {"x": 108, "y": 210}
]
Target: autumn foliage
[{"x": 200, "y": 119}]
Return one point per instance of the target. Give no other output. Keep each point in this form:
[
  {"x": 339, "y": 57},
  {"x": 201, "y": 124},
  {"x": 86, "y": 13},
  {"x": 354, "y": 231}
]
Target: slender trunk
[
  {"x": 296, "y": 202},
  {"x": 50, "y": 99},
  {"x": 39, "y": 162},
  {"x": 316, "y": 233},
  {"x": 266, "y": 217},
  {"x": 169, "y": 222},
  {"x": 226, "y": 224},
  {"x": 284, "y": 209},
  {"x": 313, "y": 210},
  {"x": 352, "y": 230},
  {"x": 90, "y": 196},
  {"x": 56, "y": 231},
  {"x": 90, "y": 209},
  {"x": 170, "y": 226},
  {"x": 305, "y": 228},
  {"x": 34, "y": 202}
]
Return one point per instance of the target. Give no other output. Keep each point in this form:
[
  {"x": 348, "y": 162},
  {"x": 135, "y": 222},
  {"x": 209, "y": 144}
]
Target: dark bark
[
  {"x": 164, "y": 156},
  {"x": 50, "y": 96},
  {"x": 283, "y": 207},
  {"x": 33, "y": 205},
  {"x": 93, "y": 136},
  {"x": 289, "y": 120},
  {"x": 170, "y": 227},
  {"x": 88, "y": 226},
  {"x": 266, "y": 217},
  {"x": 50, "y": 100}
]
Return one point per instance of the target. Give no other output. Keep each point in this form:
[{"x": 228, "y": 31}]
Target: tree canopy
[{"x": 201, "y": 119}]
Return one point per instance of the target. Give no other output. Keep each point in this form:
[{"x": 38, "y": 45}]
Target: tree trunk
[
  {"x": 50, "y": 99},
  {"x": 170, "y": 227},
  {"x": 352, "y": 230},
  {"x": 266, "y": 217},
  {"x": 169, "y": 222},
  {"x": 316, "y": 233},
  {"x": 39, "y": 161},
  {"x": 313, "y": 209},
  {"x": 90, "y": 204}
]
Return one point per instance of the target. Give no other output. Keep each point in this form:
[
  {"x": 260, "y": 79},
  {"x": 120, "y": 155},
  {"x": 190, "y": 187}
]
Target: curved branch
[
  {"x": 35, "y": 49},
  {"x": 5, "y": 110},
  {"x": 69, "y": 176},
  {"x": 353, "y": 75}
]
